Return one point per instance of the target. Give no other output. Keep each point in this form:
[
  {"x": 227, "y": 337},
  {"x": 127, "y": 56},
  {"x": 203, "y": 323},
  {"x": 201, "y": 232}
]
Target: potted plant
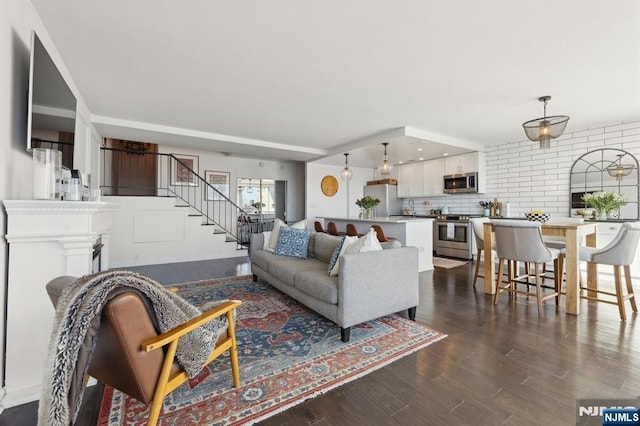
[
  {"x": 604, "y": 202},
  {"x": 367, "y": 203}
]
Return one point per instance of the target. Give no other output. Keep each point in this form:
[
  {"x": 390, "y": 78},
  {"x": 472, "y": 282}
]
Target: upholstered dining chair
[
  {"x": 521, "y": 241},
  {"x": 318, "y": 227},
  {"x": 131, "y": 356},
  {"x": 478, "y": 231},
  {"x": 619, "y": 253},
  {"x": 380, "y": 233}
]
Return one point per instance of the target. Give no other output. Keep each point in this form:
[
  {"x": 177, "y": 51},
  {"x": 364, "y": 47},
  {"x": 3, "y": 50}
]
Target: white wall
[
  {"x": 531, "y": 178},
  {"x": 343, "y": 203},
  {"x": 238, "y": 167},
  {"x": 17, "y": 19}
]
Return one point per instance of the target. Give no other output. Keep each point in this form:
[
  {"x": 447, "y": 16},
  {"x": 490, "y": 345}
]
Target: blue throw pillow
[
  {"x": 336, "y": 255},
  {"x": 293, "y": 242}
]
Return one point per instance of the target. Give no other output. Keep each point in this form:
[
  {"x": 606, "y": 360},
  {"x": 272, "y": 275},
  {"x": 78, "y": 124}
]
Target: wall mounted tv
[{"x": 52, "y": 106}]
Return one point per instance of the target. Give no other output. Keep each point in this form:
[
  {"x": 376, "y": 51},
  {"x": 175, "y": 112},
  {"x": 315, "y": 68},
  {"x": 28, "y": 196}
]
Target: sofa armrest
[{"x": 378, "y": 283}]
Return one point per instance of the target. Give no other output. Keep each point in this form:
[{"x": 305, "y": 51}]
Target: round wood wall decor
[{"x": 329, "y": 185}]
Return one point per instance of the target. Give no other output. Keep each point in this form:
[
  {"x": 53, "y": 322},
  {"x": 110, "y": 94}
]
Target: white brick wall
[{"x": 530, "y": 178}]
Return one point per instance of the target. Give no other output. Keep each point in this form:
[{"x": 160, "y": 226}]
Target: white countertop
[{"x": 392, "y": 219}]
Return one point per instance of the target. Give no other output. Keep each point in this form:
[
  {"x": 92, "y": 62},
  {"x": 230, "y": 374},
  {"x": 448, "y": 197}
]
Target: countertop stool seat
[
  {"x": 332, "y": 229},
  {"x": 352, "y": 231},
  {"x": 521, "y": 241},
  {"x": 619, "y": 253}
]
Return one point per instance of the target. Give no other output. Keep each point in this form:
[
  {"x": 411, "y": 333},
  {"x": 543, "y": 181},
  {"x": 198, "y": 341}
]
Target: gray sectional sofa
[{"x": 368, "y": 286}]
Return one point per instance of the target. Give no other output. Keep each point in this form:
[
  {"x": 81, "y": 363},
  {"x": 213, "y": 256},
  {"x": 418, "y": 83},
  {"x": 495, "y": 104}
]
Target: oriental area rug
[{"x": 287, "y": 354}]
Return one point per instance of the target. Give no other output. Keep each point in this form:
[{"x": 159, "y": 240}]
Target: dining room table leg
[
  {"x": 572, "y": 265},
  {"x": 592, "y": 268},
  {"x": 489, "y": 266}
]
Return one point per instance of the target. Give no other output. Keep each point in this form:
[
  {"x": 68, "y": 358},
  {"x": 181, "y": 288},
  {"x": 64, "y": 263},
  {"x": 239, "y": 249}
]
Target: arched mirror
[{"x": 610, "y": 170}]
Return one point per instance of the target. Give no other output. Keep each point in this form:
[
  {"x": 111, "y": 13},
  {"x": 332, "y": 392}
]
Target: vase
[
  {"x": 368, "y": 213},
  {"x": 601, "y": 215}
]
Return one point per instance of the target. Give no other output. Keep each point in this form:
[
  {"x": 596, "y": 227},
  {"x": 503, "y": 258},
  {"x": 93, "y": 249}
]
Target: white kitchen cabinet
[
  {"x": 410, "y": 180},
  {"x": 433, "y": 171},
  {"x": 468, "y": 163}
]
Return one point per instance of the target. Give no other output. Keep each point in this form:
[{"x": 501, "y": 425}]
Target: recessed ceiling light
[
  {"x": 419, "y": 149},
  {"x": 420, "y": 158},
  {"x": 445, "y": 154},
  {"x": 400, "y": 162}
]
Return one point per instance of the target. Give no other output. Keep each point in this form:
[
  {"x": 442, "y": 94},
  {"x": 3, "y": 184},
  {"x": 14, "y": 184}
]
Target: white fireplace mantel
[{"x": 46, "y": 239}]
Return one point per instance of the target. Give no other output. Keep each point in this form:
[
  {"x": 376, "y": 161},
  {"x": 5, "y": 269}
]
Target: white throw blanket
[{"x": 75, "y": 324}]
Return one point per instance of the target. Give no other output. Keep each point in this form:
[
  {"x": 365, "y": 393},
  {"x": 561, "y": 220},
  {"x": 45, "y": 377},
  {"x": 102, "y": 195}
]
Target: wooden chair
[
  {"x": 380, "y": 233},
  {"x": 318, "y": 227},
  {"x": 131, "y": 356},
  {"x": 352, "y": 231},
  {"x": 521, "y": 241},
  {"x": 620, "y": 252}
]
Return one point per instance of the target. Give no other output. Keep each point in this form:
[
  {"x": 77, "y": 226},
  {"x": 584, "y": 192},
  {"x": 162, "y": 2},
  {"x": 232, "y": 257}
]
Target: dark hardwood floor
[{"x": 500, "y": 364}]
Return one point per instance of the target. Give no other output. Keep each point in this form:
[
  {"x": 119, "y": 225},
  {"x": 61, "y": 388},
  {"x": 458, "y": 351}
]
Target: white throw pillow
[
  {"x": 348, "y": 242},
  {"x": 267, "y": 238},
  {"x": 368, "y": 242},
  {"x": 275, "y": 233}
]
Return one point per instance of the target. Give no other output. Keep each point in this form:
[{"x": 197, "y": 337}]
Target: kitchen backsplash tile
[{"x": 530, "y": 178}]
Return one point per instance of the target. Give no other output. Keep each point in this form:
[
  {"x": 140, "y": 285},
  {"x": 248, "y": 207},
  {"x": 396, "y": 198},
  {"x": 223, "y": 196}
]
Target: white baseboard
[{"x": 19, "y": 397}]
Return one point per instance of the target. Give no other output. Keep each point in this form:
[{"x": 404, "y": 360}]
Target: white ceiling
[{"x": 305, "y": 79}]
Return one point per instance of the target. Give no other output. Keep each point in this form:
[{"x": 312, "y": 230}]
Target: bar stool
[
  {"x": 318, "y": 227},
  {"x": 619, "y": 252},
  {"x": 380, "y": 233},
  {"x": 521, "y": 241},
  {"x": 478, "y": 231},
  {"x": 352, "y": 231},
  {"x": 332, "y": 229}
]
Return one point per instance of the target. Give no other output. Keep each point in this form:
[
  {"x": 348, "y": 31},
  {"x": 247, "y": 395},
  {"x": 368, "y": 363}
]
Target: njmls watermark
[{"x": 608, "y": 411}]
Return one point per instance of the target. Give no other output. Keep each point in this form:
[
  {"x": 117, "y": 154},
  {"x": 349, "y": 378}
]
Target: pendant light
[
  {"x": 346, "y": 173},
  {"x": 546, "y": 128},
  {"x": 619, "y": 170},
  {"x": 385, "y": 167}
]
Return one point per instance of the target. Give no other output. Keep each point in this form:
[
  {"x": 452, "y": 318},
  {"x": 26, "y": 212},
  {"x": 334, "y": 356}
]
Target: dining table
[{"x": 573, "y": 233}]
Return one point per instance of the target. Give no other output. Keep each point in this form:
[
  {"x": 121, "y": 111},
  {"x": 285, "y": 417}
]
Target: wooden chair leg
[
  {"x": 619, "y": 296},
  {"x": 630, "y": 295},
  {"x": 557, "y": 279},
  {"x": 233, "y": 350},
  {"x": 499, "y": 282},
  {"x": 536, "y": 269},
  {"x": 475, "y": 274}
]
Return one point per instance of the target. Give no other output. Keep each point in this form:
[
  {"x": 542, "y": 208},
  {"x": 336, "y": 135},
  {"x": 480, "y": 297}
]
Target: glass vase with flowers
[
  {"x": 367, "y": 204},
  {"x": 604, "y": 202}
]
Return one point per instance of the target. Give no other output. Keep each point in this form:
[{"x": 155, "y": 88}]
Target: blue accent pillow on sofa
[{"x": 293, "y": 242}]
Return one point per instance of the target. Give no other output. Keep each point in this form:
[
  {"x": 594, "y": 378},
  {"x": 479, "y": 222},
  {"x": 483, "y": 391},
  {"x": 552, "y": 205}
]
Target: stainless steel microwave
[{"x": 460, "y": 183}]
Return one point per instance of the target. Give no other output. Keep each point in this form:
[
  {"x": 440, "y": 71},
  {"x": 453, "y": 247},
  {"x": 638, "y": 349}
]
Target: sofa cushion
[
  {"x": 325, "y": 245},
  {"x": 262, "y": 258},
  {"x": 285, "y": 268},
  {"x": 293, "y": 242},
  {"x": 317, "y": 284},
  {"x": 312, "y": 242}
]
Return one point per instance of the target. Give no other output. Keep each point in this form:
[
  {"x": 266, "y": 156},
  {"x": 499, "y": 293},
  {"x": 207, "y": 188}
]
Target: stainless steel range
[{"x": 453, "y": 236}]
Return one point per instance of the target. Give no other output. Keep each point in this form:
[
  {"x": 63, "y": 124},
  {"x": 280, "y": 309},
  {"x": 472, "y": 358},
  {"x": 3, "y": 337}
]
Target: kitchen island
[{"x": 410, "y": 231}]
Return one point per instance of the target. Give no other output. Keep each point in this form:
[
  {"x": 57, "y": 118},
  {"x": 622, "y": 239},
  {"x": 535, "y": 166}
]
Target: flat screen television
[{"x": 51, "y": 116}]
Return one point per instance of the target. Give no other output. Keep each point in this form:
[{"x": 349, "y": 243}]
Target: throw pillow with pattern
[{"x": 293, "y": 242}]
